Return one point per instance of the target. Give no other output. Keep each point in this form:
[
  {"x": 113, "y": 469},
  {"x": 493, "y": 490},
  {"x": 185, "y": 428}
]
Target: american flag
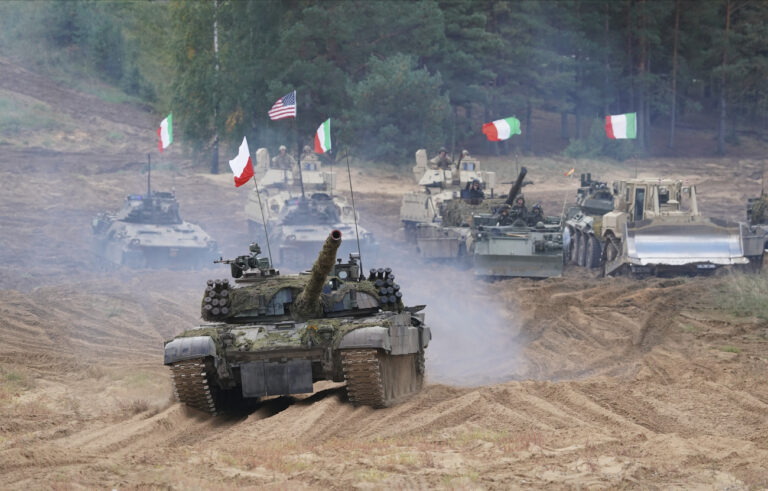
[{"x": 285, "y": 107}]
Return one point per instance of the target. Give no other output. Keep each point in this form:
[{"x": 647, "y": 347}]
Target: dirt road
[{"x": 568, "y": 382}]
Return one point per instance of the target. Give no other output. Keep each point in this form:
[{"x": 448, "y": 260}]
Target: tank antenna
[
  {"x": 354, "y": 212},
  {"x": 263, "y": 221},
  {"x": 149, "y": 173}
]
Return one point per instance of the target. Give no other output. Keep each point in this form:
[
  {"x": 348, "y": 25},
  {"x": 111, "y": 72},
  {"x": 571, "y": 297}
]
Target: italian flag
[
  {"x": 241, "y": 166},
  {"x": 621, "y": 126},
  {"x": 323, "y": 137},
  {"x": 165, "y": 133},
  {"x": 502, "y": 129}
]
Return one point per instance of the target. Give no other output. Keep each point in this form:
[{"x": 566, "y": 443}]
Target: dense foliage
[{"x": 398, "y": 75}]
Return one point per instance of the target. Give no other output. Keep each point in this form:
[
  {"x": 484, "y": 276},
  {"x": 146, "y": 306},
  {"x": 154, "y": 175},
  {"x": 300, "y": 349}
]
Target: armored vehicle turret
[
  {"x": 268, "y": 334},
  {"x": 148, "y": 232}
]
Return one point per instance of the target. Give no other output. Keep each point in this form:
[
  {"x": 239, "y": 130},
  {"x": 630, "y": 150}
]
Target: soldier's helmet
[
  {"x": 520, "y": 201},
  {"x": 442, "y": 150},
  {"x": 465, "y": 153},
  {"x": 282, "y": 147},
  {"x": 536, "y": 208},
  {"x": 307, "y": 149}
]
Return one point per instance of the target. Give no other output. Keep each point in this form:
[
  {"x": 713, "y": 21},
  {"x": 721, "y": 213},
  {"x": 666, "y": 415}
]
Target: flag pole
[
  {"x": 354, "y": 210},
  {"x": 263, "y": 220},
  {"x": 298, "y": 147},
  {"x": 149, "y": 174}
]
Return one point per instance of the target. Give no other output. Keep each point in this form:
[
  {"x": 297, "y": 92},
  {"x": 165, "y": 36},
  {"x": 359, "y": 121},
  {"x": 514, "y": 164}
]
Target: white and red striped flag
[
  {"x": 241, "y": 166},
  {"x": 285, "y": 107}
]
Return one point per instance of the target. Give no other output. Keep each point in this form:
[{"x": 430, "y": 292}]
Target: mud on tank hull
[{"x": 381, "y": 359}]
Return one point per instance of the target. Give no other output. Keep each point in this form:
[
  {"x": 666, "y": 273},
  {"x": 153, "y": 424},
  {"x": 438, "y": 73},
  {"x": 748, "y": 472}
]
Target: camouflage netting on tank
[
  {"x": 330, "y": 299},
  {"x": 458, "y": 213},
  {"x": 256, "y": 296},
  {"x": 759, "y": 211}
]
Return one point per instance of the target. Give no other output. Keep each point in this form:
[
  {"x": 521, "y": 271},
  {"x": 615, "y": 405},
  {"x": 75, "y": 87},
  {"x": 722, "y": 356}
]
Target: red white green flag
[
  {"x": 241, "y": 166},
  {"x": 323, "y": 137},
  {"x": 621, "y": 126},
  {"x": 502, "y": 129},
  {"x": 165, "y": 133}
]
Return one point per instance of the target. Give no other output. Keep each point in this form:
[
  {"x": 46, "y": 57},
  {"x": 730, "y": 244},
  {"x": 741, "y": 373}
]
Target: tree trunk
[
  {"x": 641, "y": 129},
  {"x": 215, "y": 146},
  {"x": 673, "y": 103},
  {"x": 564, "y": 125},
  {"x": 606, "y": 31},
  {"x": 723, "y": 114}
]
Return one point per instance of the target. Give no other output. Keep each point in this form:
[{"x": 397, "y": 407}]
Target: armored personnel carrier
[
  {"x": 300, "y": 229},
  {"x": 656, "y": 228},
  {"x": 439, "y": 187},
  {"x": 269, "y": 335},
  {"x": 148, "y": 232},
  {"x": 512, "y": 241},
  {"x": 583, "y": 222}
]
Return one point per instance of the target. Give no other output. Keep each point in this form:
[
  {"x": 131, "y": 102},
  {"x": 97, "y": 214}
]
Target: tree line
[{"x": 399, "y": 75}]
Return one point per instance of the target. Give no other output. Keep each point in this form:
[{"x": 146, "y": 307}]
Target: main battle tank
[
  {"x": 583, "y": 222},
  {"x": 271, "y": 335},
  {"x": 516, "y": 242},
  {"x": 757, "y": 215},
  {"x": 148, "y": 232}
]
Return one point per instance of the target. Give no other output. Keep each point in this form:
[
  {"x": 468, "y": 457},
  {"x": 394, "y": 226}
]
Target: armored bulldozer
[
  {"x": 302, "y": 224},
  {"x": 513, "y": 241},
  {"x": 439, "y": 187},
  {"x": 656, "y": 228},
  {"x": 268, "y": 334},
  {"x": 148, "y": 232}
]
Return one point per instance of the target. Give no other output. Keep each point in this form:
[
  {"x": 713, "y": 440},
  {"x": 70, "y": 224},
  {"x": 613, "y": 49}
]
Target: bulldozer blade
[
  {"x": 540, "y": 266},
  {"x": 707, "y": 243}
]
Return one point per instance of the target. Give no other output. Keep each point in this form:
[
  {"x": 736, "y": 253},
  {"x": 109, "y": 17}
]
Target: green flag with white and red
[
  {"x": 323, "y": 137},
  {"x": 621, "y": 126},
  {"x": 501, "y": 129},
  {"x": 165, "y": 133}
]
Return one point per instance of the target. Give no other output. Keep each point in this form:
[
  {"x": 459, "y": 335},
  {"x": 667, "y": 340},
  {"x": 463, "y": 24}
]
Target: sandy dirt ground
[{"x": 569, "y": 382}]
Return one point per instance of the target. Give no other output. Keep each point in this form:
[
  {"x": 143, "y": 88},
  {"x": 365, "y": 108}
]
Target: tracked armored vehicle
[
  {"x": 148, "y": 232},
  {"x": 656, "y": 228},
  {"x": 270, "y": 335},
  {"x": 757, "y": 215},
  {"x": 514, "y": 242},
  {"x": 302, "y": 227},
  {"x": 421, "y": 212}
]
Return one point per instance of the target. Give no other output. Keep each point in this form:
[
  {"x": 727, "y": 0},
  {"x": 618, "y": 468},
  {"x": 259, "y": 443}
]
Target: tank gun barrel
[
  {"x": 516, "y": 186},
  {"x": 307, "y": 304}
]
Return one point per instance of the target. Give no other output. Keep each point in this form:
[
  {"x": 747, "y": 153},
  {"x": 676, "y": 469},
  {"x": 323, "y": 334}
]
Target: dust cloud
[{"x": 475, "y": 338}]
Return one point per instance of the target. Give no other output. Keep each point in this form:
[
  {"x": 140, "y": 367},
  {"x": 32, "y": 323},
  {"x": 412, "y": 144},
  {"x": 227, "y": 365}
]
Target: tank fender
[
  {"x": 187, "y": 348},
  {"x": 397, "y": 339}
]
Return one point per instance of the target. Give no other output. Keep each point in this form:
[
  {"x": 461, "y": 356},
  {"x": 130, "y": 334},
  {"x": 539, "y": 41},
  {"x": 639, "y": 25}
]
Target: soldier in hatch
[
  {"x": 283, "y": 160},
  {"x": 442, "y": 161},
  {"x": 474, "y": 193},
  {"x": 536, "y": 216},
  {"x": 519, "y": 209}
]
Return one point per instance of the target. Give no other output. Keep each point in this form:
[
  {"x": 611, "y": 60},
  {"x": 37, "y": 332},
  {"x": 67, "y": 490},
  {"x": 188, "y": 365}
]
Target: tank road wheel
[
  {"x": 377, "y": 379},
  {"x": 575, "y": 247},
  {"x": 193, "y": 384},
  {"x": 581, "y": 258},
  {"x": 593, "y": 253}
]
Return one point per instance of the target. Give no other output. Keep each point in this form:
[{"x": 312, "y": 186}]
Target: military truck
[
  {"x": 272, "y": 335},
  {"x": 656, "y": 228},
  {"x": 512, "y": 241},
  {"x": 593, "y": 199},
  {"x": 148, "y": 232},
  {"x": 438, "y": 187}
]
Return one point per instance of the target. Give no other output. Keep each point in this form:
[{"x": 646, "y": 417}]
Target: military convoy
[
  {"x": 297, "y": 209},
  {"x": 268, "y": 334},
  {"x": 148, "y": 232},
  {"x": 656, "y": 228}
]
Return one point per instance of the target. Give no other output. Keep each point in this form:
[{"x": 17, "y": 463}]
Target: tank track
[
  {"x": 191, "y": 384},
  {"x": 370, "y": 380}
]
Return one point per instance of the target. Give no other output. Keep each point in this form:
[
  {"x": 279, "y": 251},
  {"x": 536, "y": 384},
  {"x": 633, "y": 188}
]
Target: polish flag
[{"x": 241, "y": 165}]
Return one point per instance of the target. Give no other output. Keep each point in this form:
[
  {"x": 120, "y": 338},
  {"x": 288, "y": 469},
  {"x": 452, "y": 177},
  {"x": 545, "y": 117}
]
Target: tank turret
[
  {"x": 308, "y": 302},
  {"x": 516, "y": 187}
]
